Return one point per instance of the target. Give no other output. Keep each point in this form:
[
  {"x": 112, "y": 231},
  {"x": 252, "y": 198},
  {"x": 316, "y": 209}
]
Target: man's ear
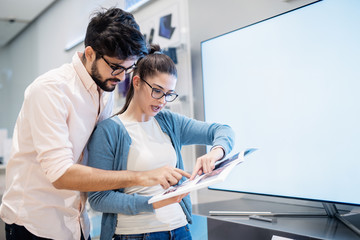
[{"x": 90, "y": 54}]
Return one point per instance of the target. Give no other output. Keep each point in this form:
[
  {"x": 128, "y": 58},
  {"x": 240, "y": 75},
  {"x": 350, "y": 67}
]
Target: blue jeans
[
  {"x": 182, "y": 233},
  {"x": 16, "y": 232}
]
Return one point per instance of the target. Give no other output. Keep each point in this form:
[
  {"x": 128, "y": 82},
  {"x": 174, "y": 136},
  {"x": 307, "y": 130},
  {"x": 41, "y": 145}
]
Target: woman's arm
[{"x": 220, "y": 136}]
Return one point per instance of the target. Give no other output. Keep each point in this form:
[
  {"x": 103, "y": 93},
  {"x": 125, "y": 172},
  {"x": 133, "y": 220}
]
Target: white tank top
[{"x": 150, "y": 148}]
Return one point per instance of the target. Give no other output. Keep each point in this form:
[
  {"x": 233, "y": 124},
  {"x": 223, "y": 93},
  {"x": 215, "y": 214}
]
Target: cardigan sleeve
[
  {"x": 192, "y": 131},
  {"x": 105, "y": 150}
]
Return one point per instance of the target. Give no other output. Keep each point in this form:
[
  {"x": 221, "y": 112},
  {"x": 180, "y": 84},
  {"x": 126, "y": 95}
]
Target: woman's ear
[{"x": 136, "y": 81}]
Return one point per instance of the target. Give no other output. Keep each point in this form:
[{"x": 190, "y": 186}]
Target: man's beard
[{"x": 95, "y": 75}]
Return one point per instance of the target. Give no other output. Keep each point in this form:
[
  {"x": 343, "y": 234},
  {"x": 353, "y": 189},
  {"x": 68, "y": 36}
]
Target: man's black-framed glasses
[
  {"x": 158, "y": 93},
  {"x": 117, "y": 69}
]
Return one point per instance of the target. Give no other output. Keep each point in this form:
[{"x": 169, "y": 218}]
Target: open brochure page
[{"x": 220, "y": 172}]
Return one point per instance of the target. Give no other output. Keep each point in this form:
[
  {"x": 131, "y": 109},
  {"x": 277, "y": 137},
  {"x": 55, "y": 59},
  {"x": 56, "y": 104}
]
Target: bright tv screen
[{"x": 290, "y": 86}]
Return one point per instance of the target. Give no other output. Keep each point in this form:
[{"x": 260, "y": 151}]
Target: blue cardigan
[{"x": 109, "y": 148}]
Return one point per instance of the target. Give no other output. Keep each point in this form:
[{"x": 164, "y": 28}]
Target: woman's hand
[
  {"x": 169, "y": 201},
  {"x": 206, "y": 163}
]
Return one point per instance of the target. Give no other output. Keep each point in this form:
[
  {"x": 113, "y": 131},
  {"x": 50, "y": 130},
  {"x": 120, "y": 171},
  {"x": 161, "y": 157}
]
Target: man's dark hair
[{"x": 115, "y": 33}]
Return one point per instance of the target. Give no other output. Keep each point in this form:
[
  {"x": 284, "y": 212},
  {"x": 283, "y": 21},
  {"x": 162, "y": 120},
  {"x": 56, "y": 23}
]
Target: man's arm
[{"x": 85, "y": 179}]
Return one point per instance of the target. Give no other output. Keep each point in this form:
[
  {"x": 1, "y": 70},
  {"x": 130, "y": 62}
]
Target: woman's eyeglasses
[{"x": 158, "y": 93}]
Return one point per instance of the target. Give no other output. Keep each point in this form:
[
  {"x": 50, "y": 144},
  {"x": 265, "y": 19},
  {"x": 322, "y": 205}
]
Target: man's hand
[
  {"x": 165, "y": 176},
  {"x": 169, "y": 201},
  {"x": 206, "y": 163}
]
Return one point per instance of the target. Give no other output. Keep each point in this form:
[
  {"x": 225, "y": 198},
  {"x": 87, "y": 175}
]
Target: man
[{"x": 47, "y": 171}]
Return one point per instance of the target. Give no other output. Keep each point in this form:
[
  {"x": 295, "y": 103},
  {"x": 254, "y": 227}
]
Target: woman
[{"x": 144, "y": 136}]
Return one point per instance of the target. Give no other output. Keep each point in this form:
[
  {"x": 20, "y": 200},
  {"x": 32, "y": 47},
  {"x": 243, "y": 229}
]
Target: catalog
[{"x": 220, "y": 172}]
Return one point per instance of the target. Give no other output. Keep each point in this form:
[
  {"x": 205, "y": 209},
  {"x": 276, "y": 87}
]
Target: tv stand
[{"x": 333, "y": 212}]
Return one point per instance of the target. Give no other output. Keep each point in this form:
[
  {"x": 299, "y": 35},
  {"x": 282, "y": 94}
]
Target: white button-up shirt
[{"x": 59, "y": 112}]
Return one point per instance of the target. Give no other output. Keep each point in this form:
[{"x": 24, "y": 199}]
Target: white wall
[{"x": 4, "y": 88}]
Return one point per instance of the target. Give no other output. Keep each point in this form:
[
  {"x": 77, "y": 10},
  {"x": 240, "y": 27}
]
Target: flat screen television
[{"x": 290, "y": 86}]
